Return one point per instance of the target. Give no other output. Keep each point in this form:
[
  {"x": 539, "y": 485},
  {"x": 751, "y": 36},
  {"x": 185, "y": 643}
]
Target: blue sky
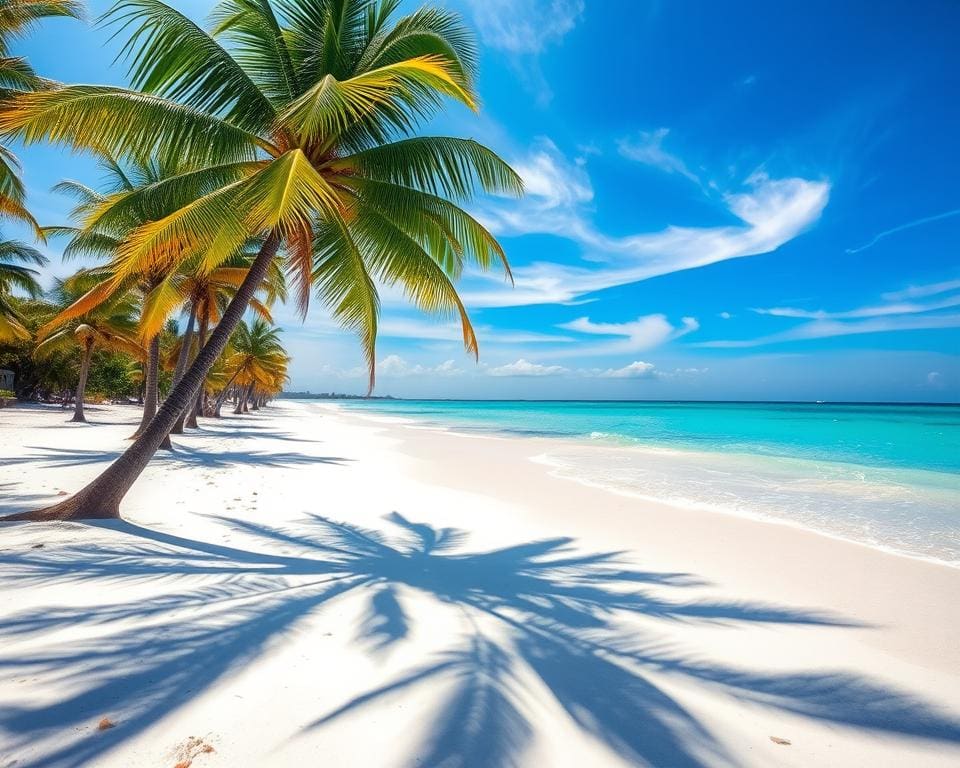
[{"x": 724, "y": 200}]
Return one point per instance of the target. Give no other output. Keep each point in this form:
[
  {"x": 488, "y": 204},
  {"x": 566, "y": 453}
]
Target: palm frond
[
  {"x": 123, "y": 123},
  {"x": 171, "y": 56}
]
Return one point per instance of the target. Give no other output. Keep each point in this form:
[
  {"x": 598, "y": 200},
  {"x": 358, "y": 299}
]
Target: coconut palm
[
  {"x": 258, "y": 362},
  {"x": 17, "y": 17},
  {"x": 119, "y": 180},
  {"x": 164, "y": 285},
  {"x": 300, "y": 116},
  {"x": 109, "y": 325},
  {"x": 210, "y": 294},
  {"x": 15, "y": 276}
]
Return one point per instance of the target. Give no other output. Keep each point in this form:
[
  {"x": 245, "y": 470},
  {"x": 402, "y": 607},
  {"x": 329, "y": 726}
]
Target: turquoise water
[{"x": 882, "y": 475}]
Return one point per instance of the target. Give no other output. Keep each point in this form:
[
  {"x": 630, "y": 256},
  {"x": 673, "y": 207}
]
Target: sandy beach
[{"x": 306, "y": 586}]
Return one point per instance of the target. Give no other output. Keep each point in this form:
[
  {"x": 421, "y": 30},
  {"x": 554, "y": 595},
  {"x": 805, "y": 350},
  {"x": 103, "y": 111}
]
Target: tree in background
[
  {"x": 302, "y": 128},
  {"x": 109, "y": 325}
]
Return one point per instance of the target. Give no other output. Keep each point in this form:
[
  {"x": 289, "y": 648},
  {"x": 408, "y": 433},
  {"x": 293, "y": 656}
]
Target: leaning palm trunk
[
  {"x": 78, "y": 414},
  {"x": 242, "y": 397},
  {"x": 102, "y": 497},
  {"x": 201, "y": 339},
  {"x": 182, "y": 359},
  {"x": 151, "y": 378},
  {"x": 153, "y": 392},
  {"x": 224, "y": 394}
]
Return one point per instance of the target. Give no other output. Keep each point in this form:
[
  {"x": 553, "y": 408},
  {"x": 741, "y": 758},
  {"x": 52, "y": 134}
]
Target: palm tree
[
  {"x": 111, "y": 325},
  {"x": 302, "y": 128},
  {"x": 210, "y": 294},
  {"x": 258, "y": 362},
  {"x": 17, "y": 17},
  {"x": 13, "y": 275}
]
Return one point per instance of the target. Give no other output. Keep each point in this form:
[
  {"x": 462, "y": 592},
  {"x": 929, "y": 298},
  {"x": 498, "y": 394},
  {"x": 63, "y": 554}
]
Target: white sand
[{"x": 309, "y": 587}]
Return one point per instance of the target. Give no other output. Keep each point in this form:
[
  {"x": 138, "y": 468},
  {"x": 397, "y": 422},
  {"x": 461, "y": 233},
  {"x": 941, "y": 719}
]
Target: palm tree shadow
[{"x": 540, "y": 610}]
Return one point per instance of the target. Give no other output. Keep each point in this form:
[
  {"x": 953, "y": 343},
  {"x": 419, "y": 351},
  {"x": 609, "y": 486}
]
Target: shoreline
[
  {"x": 588, "y": 442},
  {"x": 285, "y": 579}
]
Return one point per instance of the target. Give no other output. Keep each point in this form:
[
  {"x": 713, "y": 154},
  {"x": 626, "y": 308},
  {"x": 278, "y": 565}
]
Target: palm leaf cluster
[
  {"x": 293, "y": 120},
  {"x": 17, "y": 17}
]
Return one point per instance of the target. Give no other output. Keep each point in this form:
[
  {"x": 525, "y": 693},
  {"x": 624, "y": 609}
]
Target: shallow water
[{"x": 883, "y": 475}]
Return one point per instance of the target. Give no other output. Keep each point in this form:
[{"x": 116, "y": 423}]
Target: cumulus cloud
[
  {"x": 647, "y": 148},
  {"x": 935, "y": 379},
  {"x": 635, "y": 370},
  {"x": 771, "y": 211},
  {"x": 397, "y": 367},
  {"x": 524, "y": 367}
]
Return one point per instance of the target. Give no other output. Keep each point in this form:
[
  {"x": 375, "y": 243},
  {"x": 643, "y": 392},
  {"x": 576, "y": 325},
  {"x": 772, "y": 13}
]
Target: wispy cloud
[
  {"x": 893, "y": 314},
  {"x": 524, "y": 29},
  {"x": 424, "y": 330},
  {"x": 821, "y": 329},
  {"x": 879, "y": 310},
  {"x": 647, "y": 148},
  {"x": 637, "y": 335},
  {"x": 902, "y": 227},
  {"x": 921, "y": 291},
  {"x": 524, "y": 26},
  {"x": 772, "y": 212},
  {"x": 524, "y": 367}
]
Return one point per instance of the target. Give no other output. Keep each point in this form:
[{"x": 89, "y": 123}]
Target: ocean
[{"x": 887, "y": 476}]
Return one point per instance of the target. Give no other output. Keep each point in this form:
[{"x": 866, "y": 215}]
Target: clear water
[{"x": 883, "y": 475}]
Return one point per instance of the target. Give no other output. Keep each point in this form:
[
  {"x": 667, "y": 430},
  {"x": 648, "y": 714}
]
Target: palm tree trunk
[
  {"x": 101, "y": 498},
  {"x": 201, "y": 340},
  {"x": 153, "y": 392},
  {"x": 152, "y": 372},
  {"x": 82, "y": 384},
  {"x": 182, "y": 359},
  {"x": 254, "y": 400},
  {"x": 224, "y": 394},
  {"x": 242, "y": 399}
]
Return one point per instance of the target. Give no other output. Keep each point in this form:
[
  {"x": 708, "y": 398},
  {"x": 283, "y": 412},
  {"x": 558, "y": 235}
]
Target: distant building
[{"x": 6, "y": 379}]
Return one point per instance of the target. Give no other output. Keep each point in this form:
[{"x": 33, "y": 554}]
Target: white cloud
[
  {"x": 880, "y": 310},
  {"x": 397, "y": 367},
  {"x": 635, "y": 370},
  {"x": 725, "y": 315},
  {"x": 772, "y": 212},
  {"x": 524, "y": 26},
  {"x": 523, "y": 29},
  {"x": 412, "y": 328},
  {"x": 935, "y": 379},
  {"x": 648, "y": 149},
  {"x": 551, "y": 180},
  {"x": 909, "y": 225},
  {"x": 637, "y": 335},
  {"x": 922, "y": 291},
  {"x": 821, "y": 329},
  {"x": 525, "y": 368}
]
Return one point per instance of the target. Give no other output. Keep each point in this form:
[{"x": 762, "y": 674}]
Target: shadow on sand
[{"x": 540, "y": 608}]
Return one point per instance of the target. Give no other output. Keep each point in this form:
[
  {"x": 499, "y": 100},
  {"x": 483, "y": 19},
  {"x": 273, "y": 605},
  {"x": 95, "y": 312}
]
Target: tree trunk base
[
  {"x": 166, "y": 444},
  {"x": 191, "y": 422},
  {"x": 78, "y": 507},
  {"x": 77, "y": 418}
]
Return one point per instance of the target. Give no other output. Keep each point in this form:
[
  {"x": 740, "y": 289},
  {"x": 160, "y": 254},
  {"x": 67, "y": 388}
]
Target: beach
[{"x": 312, "y": 584}]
